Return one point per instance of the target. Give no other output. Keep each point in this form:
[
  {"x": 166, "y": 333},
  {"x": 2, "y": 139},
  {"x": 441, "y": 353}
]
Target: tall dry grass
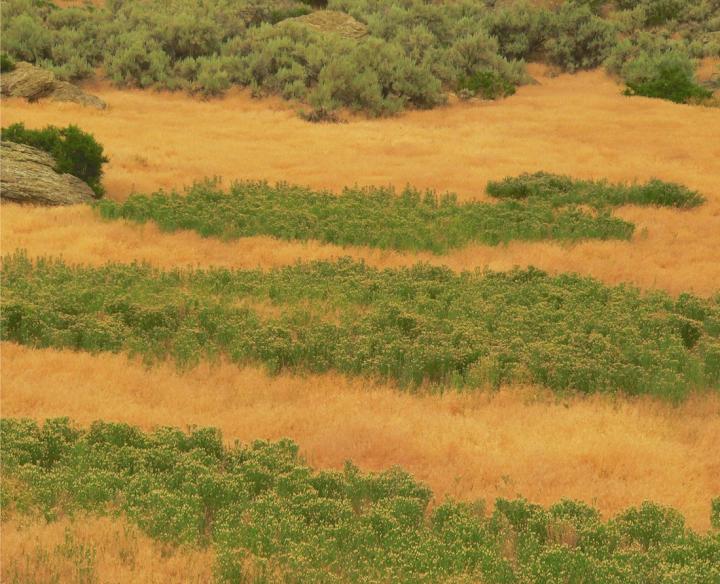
[
  {"x": 519, "y": 441},
  {"x": 579, "y": 125},
  {"x": 93, "y": 549},
  {"x": 675, "y": 256}
]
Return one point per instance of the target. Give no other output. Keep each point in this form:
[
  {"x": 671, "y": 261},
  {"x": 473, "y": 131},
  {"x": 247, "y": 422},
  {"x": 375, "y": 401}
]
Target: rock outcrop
[
  {"x": 27, "y": 175},
  {"x": 331, "y": 21},
  {"x": 27, "y": 81},
  {"x": 34, "y": 83}
]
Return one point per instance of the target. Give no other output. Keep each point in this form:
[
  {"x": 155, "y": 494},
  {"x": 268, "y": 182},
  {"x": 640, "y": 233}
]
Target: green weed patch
[
  {"x": 532, "y": 207},
  {"x": 560, "y": 190},
  {"x": 270, "y": 517},
  {"x": 414, "y": 326}
]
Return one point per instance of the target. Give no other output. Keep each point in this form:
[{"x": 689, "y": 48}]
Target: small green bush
[
  {"x": 7, "y": 63},
  {"x": 75, "y": 152},
  {"x": 487, "y": 84},
  {"x": 667, "y": 75},
  {"x": 715, "y": 513},
  {"x": 562, "y": 190}
]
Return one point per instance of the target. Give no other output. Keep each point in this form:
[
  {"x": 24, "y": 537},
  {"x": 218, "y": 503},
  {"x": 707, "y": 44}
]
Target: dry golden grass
[
  {"x": 578, "y": 125},
  {"x": 612, "y": 454},
  {"x": 79, "y": 236},
  {"x": 93, "y": 549}
]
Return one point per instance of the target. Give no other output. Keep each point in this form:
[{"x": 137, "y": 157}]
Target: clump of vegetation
[
  {"x": 655, "y": 66},
  {"x": 75, "y": 152},
  {"x": 414, "y": 52},
  {"x": 487, "y": 84},
  {"x": 414, "y": 326},
  {"x": 579, "y": 39},
  {"x": 7, "y": 63},
  {"x": 265, "y": 512},
  {"x": 562, "y": 190},
  {"x": 378, "y": 217},
  {"x": 667, "y": 76}
]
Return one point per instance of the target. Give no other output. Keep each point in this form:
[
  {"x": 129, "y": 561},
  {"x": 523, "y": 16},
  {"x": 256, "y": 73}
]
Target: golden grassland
[
  {"x": 610, "y": 452},
  {"x": 518, "y": 441},
  {"x": 579, "y": 125},
  {"x": 681, "y": 264},
  {"x": 94, "y": 549}
]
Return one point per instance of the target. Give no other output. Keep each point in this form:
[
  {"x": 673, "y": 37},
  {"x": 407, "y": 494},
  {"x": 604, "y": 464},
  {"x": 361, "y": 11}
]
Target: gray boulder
[
  {"x": 27, "y": 81},
  {"x": 34, "y": 83},
  {"x": 27, "y": 175}
]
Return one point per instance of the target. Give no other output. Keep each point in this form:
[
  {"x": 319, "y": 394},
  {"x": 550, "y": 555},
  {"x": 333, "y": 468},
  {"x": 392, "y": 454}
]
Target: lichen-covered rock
[
  {"x": 27, "y": 175},
  {"x": 65, "y": 91},
  {"x": 34, "y": 83},
  {"x": 27, "y": 81},
  {"x": 331, "y": 21}
]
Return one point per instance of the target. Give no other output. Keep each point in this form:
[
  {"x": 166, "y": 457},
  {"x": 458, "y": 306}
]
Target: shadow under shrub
[{"x": 75, "y": 152}]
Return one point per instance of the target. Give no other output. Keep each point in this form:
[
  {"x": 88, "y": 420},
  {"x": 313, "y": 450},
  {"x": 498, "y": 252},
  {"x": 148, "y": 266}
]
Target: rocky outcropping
[
  {"x": 65, "y": 91},
  {"x": 34, "y": 83},
  {"x": 27, "y": 81},
  {"x": 27, "y": 175},
  {"x": 331, "y": 21}
]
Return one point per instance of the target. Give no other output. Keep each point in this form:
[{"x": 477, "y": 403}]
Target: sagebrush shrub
[
  {"x": 667, "y": 75},
  {"x": 75, "y": 152},
  {"x": 578, "y": 39},
  {"x": 520, "y": 29}
]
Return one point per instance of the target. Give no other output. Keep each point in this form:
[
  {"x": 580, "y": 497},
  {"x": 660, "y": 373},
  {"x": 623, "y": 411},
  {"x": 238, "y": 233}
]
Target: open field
[
  {"x": 578, "y": 125},
  {"x": 610, "y": 453}
]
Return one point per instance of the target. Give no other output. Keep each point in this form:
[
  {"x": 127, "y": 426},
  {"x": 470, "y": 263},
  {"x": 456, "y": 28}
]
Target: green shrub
[
  {"x": 415, "y": 52},
  {"x": 668, "y": 76},
  {"x": 715, "y": 513},
  {"x": 487, "y": 84},
  {"x": 261, "y": 508},
  {"x": 562, "y": 190},
  {"x": 578, "y": 39},
  {"x": 377, "y": 217},
  {"x": 413, "y": 326},
  {"x": 519, "y": 28},
  {"x": 7, "y": 63},
  {"x": 75, "y": 152}
]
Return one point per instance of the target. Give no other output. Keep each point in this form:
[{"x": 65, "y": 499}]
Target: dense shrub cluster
[
  {"x": 562, "y": 190},
  {"x": 415, "y": 51},
  {"x": 413, "y": 325},
  {"x": 655, "y": 66},
  {"x": 75, "y": 152},
  {"x": 376, "y": 217},
  {"x": 270, "y": 517}
]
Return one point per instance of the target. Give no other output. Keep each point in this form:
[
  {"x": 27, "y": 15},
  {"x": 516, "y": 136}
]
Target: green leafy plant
[
  {"x": 487, "y": 84},
  {"x": 7, "y": 64},
  {"x": 562, "y": 190},
  {"x": 378, "y": 217},
  {"x": 264, "y": 512},
  {"x": 419, "y": 326},
  {"x": 75, "y": 152},
  {"x": 667, "y": 76}
]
